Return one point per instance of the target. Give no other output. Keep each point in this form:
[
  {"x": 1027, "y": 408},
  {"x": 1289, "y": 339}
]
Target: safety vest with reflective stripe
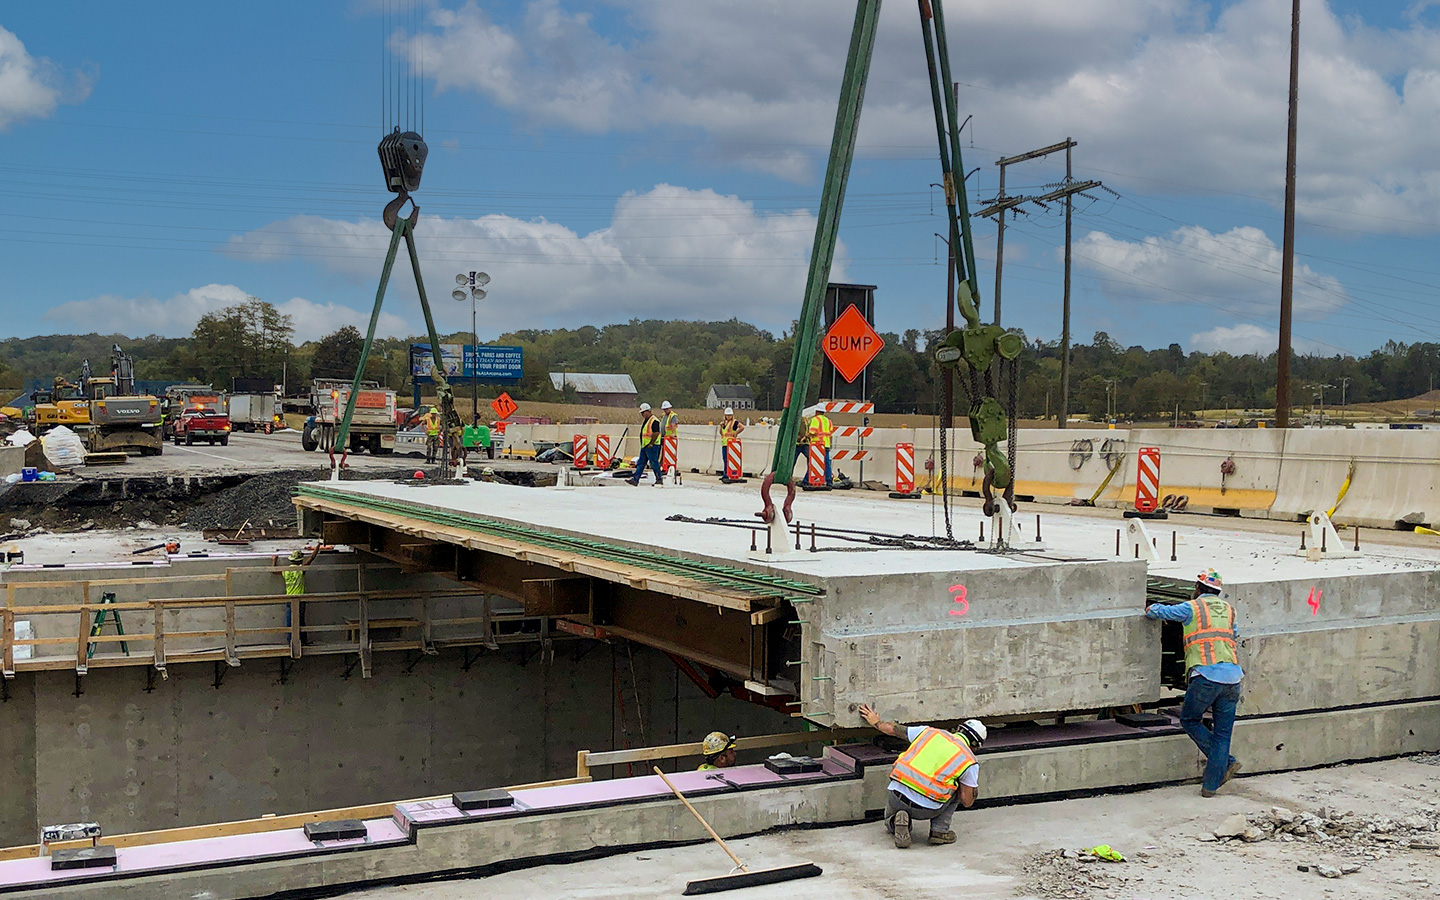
[
  {"x": 672, "y": 425},
  {"x": 820, "y": 430},
  {"x": 294, "y": 581},
  {"x": 432, "y": 424},
  {"x": 1210, "y": 633},
  {"x": 933, "y": 764},
  {"x": 730, "y": 429},
  {"x": 650, "y": 432}
]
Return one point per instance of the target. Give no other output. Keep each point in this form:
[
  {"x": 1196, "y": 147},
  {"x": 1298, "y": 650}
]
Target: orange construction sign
[
  {"x": 851, "y": 344},
  {"x": 504, "y": 406}
]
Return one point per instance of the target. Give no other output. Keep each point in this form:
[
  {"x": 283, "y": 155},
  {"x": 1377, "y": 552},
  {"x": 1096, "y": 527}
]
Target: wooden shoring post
[
  {"x": 426, "y": 646},
  {"x": 365, "y": 660},
  {"x": 295, "y": 601},
  {"x": 231, "y": 659},
  {"x": 160, "y": 639},
  {"x": 582, "y": 764},
  {"x": 486, "y": 624},
  {"x": 82, "y": 646},
  {"x": 7, "y": 650}
]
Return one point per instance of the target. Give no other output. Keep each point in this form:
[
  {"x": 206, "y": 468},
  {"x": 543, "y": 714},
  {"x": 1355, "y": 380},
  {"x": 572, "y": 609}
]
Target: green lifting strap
[
  {"x": 449, "y": 418},
  {"x": 822, "y": 254}
]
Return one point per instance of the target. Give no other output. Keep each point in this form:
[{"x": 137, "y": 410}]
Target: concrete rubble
[{"x": 1340, "y": 835}]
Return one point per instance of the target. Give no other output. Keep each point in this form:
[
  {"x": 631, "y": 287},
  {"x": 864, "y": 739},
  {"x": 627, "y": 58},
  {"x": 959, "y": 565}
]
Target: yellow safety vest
[
  {"x": 820, "y": 430},
  {"x": 1210, "y": 633},
  {"x": 672, "y": 425},
  {"x": 294, "y": 581},
  {"x": 650, "y": 432},
  {"x": 729, "y": 430},
  {"x": 705, "y": 767},
  {"x": 934, "y": 763},
  {"x": 432, "y": 424}
]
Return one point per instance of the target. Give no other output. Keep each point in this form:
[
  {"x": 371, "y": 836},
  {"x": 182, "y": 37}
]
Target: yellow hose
[{"x": 1344, "y": 489}]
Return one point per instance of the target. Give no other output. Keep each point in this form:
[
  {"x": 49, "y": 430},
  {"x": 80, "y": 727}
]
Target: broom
[{"x": 746, "y": 877}]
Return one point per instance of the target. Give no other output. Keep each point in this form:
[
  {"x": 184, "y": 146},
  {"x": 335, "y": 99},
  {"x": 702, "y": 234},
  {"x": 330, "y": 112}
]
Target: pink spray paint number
[
  {"x": 959, "y": 591},
  {"x": 1314, "y": 601}
]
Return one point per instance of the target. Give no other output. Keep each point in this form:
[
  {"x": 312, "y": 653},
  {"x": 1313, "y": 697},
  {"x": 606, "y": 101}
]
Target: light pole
[
  {"x": 476, "y": 282},
  {"x": 1110, "y": 399},
  {"x": 1344, "y": 383}
]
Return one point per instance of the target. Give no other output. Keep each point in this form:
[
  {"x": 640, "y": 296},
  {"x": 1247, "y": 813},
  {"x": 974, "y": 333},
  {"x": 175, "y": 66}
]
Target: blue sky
[{"x": 605, "y": 160}]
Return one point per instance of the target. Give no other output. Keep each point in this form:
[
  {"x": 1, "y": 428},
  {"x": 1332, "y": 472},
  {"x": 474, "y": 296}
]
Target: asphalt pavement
[{"x": 246, "y": 453}]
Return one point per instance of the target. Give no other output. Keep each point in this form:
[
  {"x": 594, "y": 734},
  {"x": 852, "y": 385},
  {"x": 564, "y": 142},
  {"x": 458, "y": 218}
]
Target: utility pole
[
  {"x": 1002, "y": 204},
  {"x": 1287, "y": 263}
]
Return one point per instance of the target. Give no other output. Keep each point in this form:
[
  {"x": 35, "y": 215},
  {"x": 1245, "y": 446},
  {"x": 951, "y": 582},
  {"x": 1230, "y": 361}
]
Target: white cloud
[
  {"x": 1237, "y": 271},
  {"x": 670, "y": 252},
  {"x": 1154, "y": 89},
  {"x": 30, "y": 87},
  {"x": 178, "y": 315},
  {"x": 1245, "y": 339}
]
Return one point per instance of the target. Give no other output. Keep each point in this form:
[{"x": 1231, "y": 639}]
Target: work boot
[
  {"x": 1231, "y": 771},
  {"x": 902, "y": 830},
  {"x": 942, "y": 837}
]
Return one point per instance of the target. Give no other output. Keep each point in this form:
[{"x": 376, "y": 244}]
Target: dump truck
[
  {"x": 372, "y": 427},
  {"x": 254, "y": 412}
]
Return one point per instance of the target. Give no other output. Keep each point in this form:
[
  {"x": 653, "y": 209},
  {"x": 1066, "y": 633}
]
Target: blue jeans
[
  {"x": 1214, "y": 741},
  {"x": 649, "y": 455}
]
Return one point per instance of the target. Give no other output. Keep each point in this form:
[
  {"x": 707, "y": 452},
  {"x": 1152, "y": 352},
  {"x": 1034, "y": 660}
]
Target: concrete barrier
[
  {"x": 1396, "y": 476},
  {"x": 1191, "y": 467}
]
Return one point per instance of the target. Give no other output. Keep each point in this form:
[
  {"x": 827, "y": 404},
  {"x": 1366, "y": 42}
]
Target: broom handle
[{"x": 696, "y": 813}]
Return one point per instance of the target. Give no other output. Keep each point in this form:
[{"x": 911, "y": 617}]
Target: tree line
[{"x": 679, "y": 360}]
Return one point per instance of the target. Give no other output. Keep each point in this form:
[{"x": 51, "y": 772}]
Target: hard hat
[
  {"x": 1210, "y": 578},
  {"x": 487, "y": 471},
  {"x": 973, "y": 731},
  {"x": 810, "y": 411},
  {"x": 434, "y": 410},
  {"x": 665, "y": 404},
  {"x": 296, "y": 555},
  {"x": 716, "y": 742},
  {"x": 729, "y": 411},
  {"x": 644, "y": 407}
]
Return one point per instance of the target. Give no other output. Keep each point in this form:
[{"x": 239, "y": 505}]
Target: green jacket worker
[
  {"x": 719, "y": 750},
  {"x": 937, "y": 774}
]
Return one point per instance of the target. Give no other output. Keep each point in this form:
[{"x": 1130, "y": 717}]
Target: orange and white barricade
[
  {"x": 815, "y": 477},
  {"x": 905, "y": 469},
  {"x": 1147, "y": 480},
  {"x": 733, "y": 466},
  {"x": 602, "y": 451},
  {"x": 582, "y": 452},
  {"x": 669, "y": 455}
]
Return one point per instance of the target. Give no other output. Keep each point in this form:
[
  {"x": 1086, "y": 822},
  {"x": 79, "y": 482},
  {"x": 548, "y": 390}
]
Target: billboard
[{"x": 467, "y": 362}]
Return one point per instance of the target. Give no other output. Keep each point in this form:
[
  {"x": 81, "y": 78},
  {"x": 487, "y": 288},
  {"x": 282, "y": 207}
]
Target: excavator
[
  {"x": 121, "y": 419},
  {"x": 983, "y": 354}
]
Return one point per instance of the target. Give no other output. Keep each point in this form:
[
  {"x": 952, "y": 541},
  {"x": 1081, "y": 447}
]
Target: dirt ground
[{"x": 1376, "y": 818}]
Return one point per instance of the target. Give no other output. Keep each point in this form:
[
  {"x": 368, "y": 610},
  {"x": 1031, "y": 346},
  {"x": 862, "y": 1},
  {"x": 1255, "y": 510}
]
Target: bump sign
[
  {"x": 851, "y": 344},
  {"x": 959, "y": 591}
]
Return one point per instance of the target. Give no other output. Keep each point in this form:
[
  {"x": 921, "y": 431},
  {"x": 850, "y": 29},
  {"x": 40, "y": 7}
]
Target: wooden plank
[
  {"x": 7, "y": 643},
  {"x": 366, "y": 666},
  {"x": 160, "y": 637},
  {"x": 82, "y": 647},
  {"x": 295, "y": 626}
]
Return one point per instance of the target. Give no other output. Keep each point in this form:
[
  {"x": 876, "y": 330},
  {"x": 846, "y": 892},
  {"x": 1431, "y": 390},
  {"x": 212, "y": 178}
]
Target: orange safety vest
[
  {"x": 1210, "y": 633},
  {"x": 933, "y": 764}
]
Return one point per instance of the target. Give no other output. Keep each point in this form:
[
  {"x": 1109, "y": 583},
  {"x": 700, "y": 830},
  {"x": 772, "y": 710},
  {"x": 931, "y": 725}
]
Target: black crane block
[{"x": 402, "y": 156}]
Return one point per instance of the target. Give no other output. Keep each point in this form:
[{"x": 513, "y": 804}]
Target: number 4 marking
[{"x": 959, "y": 591}]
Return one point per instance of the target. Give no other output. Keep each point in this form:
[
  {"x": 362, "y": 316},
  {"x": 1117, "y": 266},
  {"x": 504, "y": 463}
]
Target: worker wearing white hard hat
[
  {"x": 937, "y": 774},
  {"x": 669, "y": 421},
  {"x": 1212, "y": 663},
  {"x": 820, "y": 430},
  {"x": 730, "y": 429},
  {"x": 649, "y": 445},
  {"x": 719, "y": 750}
]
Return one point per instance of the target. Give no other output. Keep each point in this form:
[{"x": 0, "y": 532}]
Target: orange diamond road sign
[
  {"x": 504, "y": 406},
  {"x": 851, "y": 344}
]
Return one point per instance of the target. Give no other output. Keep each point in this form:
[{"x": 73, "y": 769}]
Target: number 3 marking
[{"x": 959, "y": 591}]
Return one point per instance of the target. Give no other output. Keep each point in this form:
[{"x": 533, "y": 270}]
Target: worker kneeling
[{"x": 935, "y": 775}]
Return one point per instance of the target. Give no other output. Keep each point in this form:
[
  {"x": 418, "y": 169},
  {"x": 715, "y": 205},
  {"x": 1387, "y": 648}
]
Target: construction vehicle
[
  {"x": 63, "y": 403},
  {"x": 120, "y": 419},
  {"x": 180, "y": 397},
  {"x": 255, "y": 412},
  {"x": 201, "y": 425},
  {"x": 372, "y": 426}
]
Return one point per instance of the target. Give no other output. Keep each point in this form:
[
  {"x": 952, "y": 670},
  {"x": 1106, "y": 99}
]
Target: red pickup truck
[{"x": 202, "y": 425}]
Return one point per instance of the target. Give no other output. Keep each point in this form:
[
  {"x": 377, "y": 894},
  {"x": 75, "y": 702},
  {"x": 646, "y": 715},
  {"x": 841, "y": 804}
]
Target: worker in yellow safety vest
[
  {"x": 650, "y": 433},
  {"x": 431, "y": 423},
  {"x": 937, "y": 774},
  {"x": 294, "y": 577},
  {"x": 820, "y": 431},
  {"x": 719, "y": 750},
  {"x": 669, "y": 420},
  {"x": 1212, "y": 661}
]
